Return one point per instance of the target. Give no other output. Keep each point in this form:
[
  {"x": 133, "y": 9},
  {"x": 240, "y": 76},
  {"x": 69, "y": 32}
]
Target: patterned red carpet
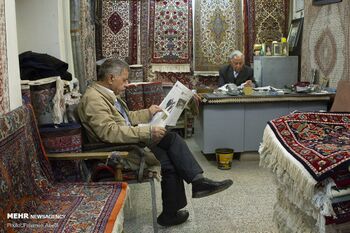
[{"x": 319, "y": 141}]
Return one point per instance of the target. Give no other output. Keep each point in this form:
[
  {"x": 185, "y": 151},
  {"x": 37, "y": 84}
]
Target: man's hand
[
  {"x": 196, "y": 97},
  {"x": 193, "y": 104},
  {"x": 157, "y": 133},
  {"x": 154, "y": 109},
  {"x": 248, "y": 83}
]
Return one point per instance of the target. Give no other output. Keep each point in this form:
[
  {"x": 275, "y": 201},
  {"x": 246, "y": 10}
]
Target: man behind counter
[{"x": 236, "y": 72}]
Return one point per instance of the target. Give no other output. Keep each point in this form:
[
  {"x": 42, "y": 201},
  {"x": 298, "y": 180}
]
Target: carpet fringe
[
  {"x": 291, "y": 176},
  {"x": 307, "y": 211},
  {"x": 274, "y": 156},
  {"x": 176, "y": 68},
  {"x": 291, "y": 219}
]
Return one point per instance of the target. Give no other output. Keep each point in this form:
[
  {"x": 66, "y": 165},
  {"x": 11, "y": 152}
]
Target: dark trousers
[{"x": 177, "y": 164}]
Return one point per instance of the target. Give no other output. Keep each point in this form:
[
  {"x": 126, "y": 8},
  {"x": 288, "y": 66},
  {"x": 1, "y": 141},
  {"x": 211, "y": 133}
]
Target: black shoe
[
  {"x": 167, "y": 220},
  {"x": 205, "y": 187}
]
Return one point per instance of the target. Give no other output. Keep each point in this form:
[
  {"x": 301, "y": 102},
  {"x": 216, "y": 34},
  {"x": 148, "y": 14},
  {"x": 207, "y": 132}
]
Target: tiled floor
[{"x": 246, "y": 207}]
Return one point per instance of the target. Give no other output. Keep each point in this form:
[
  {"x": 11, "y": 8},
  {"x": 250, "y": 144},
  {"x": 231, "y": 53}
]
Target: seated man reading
[
  {"x": 106, "y": 118},
  {"x": 236, "y": 72}
]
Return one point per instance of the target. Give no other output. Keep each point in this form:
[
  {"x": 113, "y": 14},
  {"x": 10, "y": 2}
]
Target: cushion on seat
[{"x": 63, "y": 138}]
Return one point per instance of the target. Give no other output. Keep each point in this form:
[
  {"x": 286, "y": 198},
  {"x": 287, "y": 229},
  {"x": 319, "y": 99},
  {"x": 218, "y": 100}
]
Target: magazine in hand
[{"x": 173, "y": 105}]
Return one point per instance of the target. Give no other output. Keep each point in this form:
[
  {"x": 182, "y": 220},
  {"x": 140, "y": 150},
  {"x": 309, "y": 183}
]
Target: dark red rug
[{"x": 319, "y": 141}]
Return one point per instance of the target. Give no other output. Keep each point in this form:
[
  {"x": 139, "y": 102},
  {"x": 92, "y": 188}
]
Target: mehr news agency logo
[{"x": 21, "y": 216}]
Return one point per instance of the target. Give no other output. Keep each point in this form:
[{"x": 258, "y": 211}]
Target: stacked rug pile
[
  {"x": 143, "y": 94},
  {"x": 309, "y": 154}
]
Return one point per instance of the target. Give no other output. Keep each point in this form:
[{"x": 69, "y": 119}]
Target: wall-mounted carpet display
[
  {"x": 117, "y": 29},
  {"x": 324, "y": 47},
  {"x": 171, "y": 35},
  {"x": 4, "y": 91},
  {"x": 144, "y": 37},
  {"x": 218, "y": 31},
  {"x": 265, "y": 20}
]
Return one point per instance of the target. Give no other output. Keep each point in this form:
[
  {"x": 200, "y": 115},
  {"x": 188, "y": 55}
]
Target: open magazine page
[
  {"x": 173, "y": 105},
  {"x": 175, "y": 102},
  {"x": 159, "y": 118}
]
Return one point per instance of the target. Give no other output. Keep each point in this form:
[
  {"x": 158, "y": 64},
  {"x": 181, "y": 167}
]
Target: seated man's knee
[
  {"x": 172, "y": 135},
  {"x": 170, "y": 138}
]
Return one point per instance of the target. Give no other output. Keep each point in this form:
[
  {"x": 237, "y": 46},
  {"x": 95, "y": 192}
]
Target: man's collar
[{"x": 105, "y": 89}]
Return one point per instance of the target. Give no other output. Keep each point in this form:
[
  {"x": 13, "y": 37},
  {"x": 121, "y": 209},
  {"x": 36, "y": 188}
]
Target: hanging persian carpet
[
  {"x": 326, "y": 48},
  {"x": 4, "y": 95},
  {"x": 171, "y": 35},
  {"x": 319, "y": 141},
  {"x": 117, "y": 29},
  {"x": 218, "y": 32},
  {"x": 144, "y": 54},
  {"x": 265, "y": 20}
]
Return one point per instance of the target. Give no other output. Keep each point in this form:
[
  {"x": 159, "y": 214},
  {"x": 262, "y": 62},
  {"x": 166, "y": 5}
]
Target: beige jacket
[{"x": 103, "y": 122}]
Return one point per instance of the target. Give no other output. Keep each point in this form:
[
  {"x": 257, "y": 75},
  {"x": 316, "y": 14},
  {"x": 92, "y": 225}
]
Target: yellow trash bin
[{"x": 224, "y": 158}]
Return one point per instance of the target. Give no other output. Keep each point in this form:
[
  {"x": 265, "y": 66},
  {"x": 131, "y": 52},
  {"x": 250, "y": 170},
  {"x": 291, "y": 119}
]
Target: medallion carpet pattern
[
  {"x": 325, "y": 46},
  {"x": 319, "y": 141},
  {"x": 265, "y": 20},
  {"x": 117, "y": 29},
  {"x": 171, "y": 31},
  {"x": 4, "y": 95},
  {"x": 218, "y": 31}
]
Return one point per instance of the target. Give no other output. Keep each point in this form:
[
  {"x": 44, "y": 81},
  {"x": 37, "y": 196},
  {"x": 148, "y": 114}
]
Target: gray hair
[
  {"x": 236, "y": 53},
  {"x": 112, "y": 66}
]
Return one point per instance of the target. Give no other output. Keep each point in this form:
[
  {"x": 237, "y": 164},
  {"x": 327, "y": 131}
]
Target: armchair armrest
[
  {"x": 91, "y": 155},
  {"x": 137, "y": 147},
  {"x": 101, "y": 146},
  {"x": 84, "y": 155},
  {"x": 102, "y": 150}
]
